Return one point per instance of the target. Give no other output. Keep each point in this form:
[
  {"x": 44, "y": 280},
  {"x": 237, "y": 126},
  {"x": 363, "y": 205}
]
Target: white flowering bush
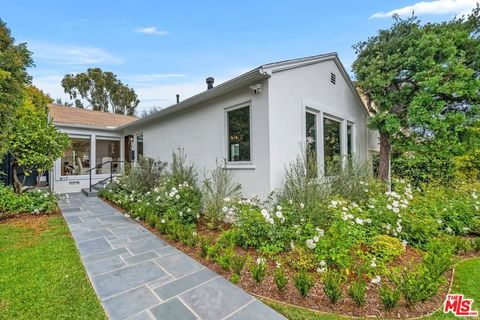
[{"x": 35, "y": 201}]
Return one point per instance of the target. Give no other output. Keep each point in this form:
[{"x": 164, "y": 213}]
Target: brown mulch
[
  {"x": 316, "y": 299},
  {"x": 38, "y": 223}
]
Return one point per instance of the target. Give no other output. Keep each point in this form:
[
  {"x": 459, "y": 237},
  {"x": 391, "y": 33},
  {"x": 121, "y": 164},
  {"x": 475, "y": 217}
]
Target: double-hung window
[{"x": 332, "y": 146}]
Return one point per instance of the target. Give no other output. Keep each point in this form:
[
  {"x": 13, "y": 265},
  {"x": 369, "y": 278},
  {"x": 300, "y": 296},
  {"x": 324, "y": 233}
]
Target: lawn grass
[
  {"x": 466, "y": 282},
  {"x": 41, "y": 275}
]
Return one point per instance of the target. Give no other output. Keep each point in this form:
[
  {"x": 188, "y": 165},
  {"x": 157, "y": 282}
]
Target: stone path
[{"x": 136, "y": 275}]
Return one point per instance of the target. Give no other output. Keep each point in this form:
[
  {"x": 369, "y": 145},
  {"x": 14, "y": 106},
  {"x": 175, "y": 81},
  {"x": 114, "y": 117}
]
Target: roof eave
[{"x": 256, "y": 74}]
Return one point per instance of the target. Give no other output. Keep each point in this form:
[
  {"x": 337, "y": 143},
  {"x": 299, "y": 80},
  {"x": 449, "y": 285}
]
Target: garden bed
[{"x": 316, "y": 299}]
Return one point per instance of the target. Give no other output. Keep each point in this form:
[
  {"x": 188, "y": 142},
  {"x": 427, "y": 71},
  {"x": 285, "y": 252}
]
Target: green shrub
[
  {"x": 182, "y": 172},
  {"x": 219, "y": 192},
  {"x": 258, "y": 269},
  {"x": 476, "y": 244},
  {"x": 225, "y": 258},
  {"x": 332, "y": 285},
  {"x": 280, "y": 278},
  {"x": 389, "y": 297},
  {"x": 34, "y": 201},
  {"x": 302, "y": 259},
  {"x": 386, "y": 247},
  {"x": 235, "y": 278},
  {"x": 357, "y": 292},
  {"x": 205, "y": 243},
  {"x": 303, "y": 282},
  {"x": 438, "y": 258},
  {"x": 145, "y": 175},
  {"x": 237, "y": 262},
  {"x": 418, "y": 285}
]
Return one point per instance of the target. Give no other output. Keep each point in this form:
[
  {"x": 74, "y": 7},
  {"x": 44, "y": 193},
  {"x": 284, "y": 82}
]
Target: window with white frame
[
  {"x": 332, "y": 146},
  {"x": 107, "y": 155},
  {"x": 350, "y": 145},
  {"x": 76, "y": 159},
  {"x": 139, "y": 145},
  {"x": 238, "y": 134}
]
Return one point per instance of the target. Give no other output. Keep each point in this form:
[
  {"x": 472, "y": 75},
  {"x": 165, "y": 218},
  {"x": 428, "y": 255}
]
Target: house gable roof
[
  {"x": 260, "y": 73},
  {"x": 76, "y": 117}
]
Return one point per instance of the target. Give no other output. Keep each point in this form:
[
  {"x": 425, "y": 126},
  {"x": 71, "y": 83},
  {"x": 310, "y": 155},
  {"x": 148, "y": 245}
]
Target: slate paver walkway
[{"x": 137, "y": 275}]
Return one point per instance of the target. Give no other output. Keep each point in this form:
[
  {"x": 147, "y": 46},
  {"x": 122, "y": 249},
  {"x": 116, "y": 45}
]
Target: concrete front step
[{"x": 88, "y": 193}]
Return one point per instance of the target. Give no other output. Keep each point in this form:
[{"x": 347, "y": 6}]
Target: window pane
[
  {"x": 107, "y": 150},
  {"x": 332, "y": 150},
  {"x": 139, "y": 146},
  {"x": 76, "y": 160},
  {"x": 311, "y": 143},
  {"x": 239, "y": 134},
  {"x": 349, "y": 140}
]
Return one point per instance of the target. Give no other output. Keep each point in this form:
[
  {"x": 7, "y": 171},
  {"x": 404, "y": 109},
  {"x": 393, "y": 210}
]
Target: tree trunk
[
  {"x": 384, "y": 157},
  {"x": 17, "y": 185}
]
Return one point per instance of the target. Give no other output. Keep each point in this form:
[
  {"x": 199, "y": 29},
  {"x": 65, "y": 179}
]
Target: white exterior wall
[
  {"x": 291, "y": 93},
  {"x": 202, "y": 132},
  {"x": 75, "y": 183}
]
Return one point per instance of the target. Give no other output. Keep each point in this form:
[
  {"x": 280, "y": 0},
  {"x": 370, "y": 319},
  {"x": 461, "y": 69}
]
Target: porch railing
[{"x": 99, "y": 166}]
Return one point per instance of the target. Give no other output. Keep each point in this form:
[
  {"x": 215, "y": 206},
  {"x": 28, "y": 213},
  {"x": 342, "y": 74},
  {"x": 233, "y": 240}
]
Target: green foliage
[
  {"x": 438, "y": 257},
  {"x": 258, "y": 269},
  {"x": 424, "y": 93},
  {"x": 389, "y": 296},
  {"x": 280, "y": 278},
  {"x": 182, "y": 172},
  {"x": 237, "y": 262},
  {"x": 34, "y": 142},
  {"x": 301, "y": 258},
  {"x": 205, "y": 243},
  {"x": 332, "y": 285},
  {"x": 102, "y": 90},
  {"x": 385, "y": 247},
  {"x": 303, "y": 281},
  {"x": 235, "y": 278},
  {"x": 15, "y": 59},
  {"x": 357, "y": 292},
  {"x": 418, "y": 285},
  {"x": 147, "y": 174},
  {"x": 218, "y": 191},
  {"x": 34, "y": 201}
]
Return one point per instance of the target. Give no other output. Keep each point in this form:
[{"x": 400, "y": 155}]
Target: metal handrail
[{"x": 98, "y": 166}]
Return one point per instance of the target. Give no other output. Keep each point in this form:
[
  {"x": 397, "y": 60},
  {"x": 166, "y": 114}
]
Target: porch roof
[{"x": 64, "y": 115}]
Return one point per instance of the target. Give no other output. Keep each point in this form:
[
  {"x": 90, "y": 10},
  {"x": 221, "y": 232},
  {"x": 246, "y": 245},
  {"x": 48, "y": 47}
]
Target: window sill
[{"x": 240, "y": 166}]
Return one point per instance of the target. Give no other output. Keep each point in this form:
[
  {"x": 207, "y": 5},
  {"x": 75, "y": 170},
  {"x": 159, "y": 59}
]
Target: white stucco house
[{"x": 258, "y": 122}]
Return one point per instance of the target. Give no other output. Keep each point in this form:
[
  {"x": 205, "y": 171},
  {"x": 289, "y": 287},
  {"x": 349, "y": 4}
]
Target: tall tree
[
  {"x": 422, "y": 84},
  {"x": 102, "y": 90},
  {"x": 14, "y": 61},
  {"x": 34, "y": 142}
]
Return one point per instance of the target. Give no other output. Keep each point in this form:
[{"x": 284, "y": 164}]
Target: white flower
[
  {"x": 311, "y": 244},
  {"x": 449, "y": 230},
  {"x": 344, "y": 209},
  {"x": 189, "y": 210},
  {"x": 155, "y": 189},
  {"x": 474, "y": 195},
  {"x": 171, "y": 194},
  {"x": 321, "y": 232},
  {"x": 198, "y": 216},
  {"x": 373, "y": 264},
  {"x": 270, "y": 220},
  {"x": 368, "y": 220},
  {"x": 292, "y": 245},
  {"x": 279, "y": 214},
  {"x": 302, "y": 205},
  {"x": 395, "y": 203},
  {"x": 404, "y": 243},
  {"x": 323, "y": 263},
  {"x": 36, "y": 210},
  {"x": 439, "y": 221},
  {"x": 389, "y": 207},
  {"x": 315, "y": 239},
  {"x": 177, "y": 196},
  {"x": 344, "y": 217},
  {"x": 260, "y": 261},
  {"x": 321, "y": 270},
  {"x": 278, "y": 264},
  {"x": 227, "y": 199},
  {"x": 290, "y": 201},
  {"x": 350, "y": 216},
  {"x": 279, "y": 208},
  {"x": 180, "y": 213},
  {"x": 224, "y": 209},
  {"x": 396, "y": 210},
  {"x": 376, "y": 280},
  {"x": 359, "y": 221},
  {"x": 137, "y": 219},
  {"x": 194, "y": 233},
  {"x": 127, "y": 215}
]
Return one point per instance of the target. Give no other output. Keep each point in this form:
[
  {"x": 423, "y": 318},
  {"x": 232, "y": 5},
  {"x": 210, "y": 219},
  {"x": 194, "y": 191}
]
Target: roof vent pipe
[
  {"x": 178, "y": 98},
  {"x": 210, "y": 82}
]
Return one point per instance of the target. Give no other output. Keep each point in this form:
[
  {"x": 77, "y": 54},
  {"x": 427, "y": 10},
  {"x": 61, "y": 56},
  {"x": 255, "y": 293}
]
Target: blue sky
[{"x": 161, "y": 48}]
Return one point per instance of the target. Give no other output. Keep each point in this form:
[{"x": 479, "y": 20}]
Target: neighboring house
[{"x": 258, "y": 122}]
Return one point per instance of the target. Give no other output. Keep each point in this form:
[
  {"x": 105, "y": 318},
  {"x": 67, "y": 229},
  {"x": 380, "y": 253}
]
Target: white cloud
[
  {"x": 51, "y": 84},
  {"x": 152, "y": 30},
  {"x": 62, "y": 54},
  {"x": 438, "y": 7}
]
